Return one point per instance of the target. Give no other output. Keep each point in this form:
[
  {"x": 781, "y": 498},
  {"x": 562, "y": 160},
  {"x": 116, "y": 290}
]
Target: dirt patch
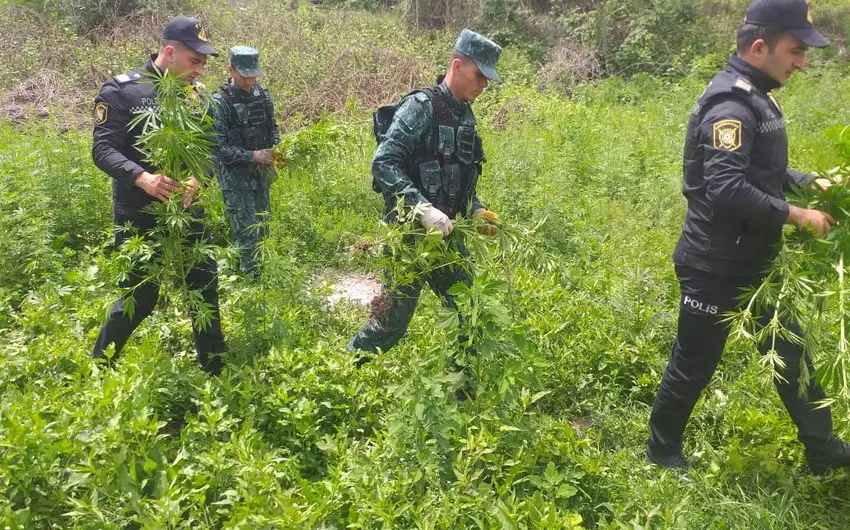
[
  {"x": 32, "y": 94},
  {"x": 351, "y": 288}
]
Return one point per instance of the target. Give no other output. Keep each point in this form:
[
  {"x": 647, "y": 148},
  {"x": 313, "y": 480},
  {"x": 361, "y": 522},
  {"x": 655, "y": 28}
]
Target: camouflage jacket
[
  {"x": 244, "y": 123},
  {"x": 411, "y": 134}
]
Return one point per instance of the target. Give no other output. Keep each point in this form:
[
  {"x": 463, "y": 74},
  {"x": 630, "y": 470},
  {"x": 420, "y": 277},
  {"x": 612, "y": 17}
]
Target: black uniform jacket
[
  {"x": 735, "y": 175},
  {"x": 114, "y": 150}
]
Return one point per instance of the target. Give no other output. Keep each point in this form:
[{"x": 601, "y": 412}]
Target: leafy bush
[
  {"x": 806, "y": 285},
  {"x": 86, "y": 15}
]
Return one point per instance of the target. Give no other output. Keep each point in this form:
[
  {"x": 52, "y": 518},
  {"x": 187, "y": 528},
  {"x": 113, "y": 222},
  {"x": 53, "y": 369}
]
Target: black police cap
[
  {"x": 188, "y": 30},
  {"x": 793, "y": 15}
]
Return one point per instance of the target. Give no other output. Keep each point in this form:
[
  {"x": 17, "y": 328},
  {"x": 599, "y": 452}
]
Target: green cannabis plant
[
  {"x": 490, "y": 325},
  {"x": 807, "y": 283},
  {"x": 177, "y": 139}
]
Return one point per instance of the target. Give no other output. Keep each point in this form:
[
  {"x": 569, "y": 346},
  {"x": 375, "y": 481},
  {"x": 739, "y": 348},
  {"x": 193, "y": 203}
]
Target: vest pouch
[
  {"x": 466, "y": 144},
  {"x": 478, "y": 153},
  {"x": 446, "y": 141},
  {"x": 267, "y": 101},
  {"x": 257, "y": 112},
  {"x": 473, "y": 179},
  {"x": 430, "y": 174},
  {"x": 252, "y": 137},
  {"x": 234, "y": 136},
  {"x": 451, "y": 185},
  {"x": 242, "y": 113}
]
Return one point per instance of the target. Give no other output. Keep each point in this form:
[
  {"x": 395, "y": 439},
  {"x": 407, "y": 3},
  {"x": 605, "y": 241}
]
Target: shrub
[{"x": 86, "y": 15}]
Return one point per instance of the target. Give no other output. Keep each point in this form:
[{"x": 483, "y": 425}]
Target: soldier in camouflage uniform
[
  {"x": 246, "y": 132},
  {"x": 430, "y": 156}
]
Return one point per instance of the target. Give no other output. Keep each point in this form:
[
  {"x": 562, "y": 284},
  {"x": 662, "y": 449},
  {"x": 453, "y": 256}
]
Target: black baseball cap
[
  {"x": 188, "y": 30},
  {"x": 793, "y": 15}
]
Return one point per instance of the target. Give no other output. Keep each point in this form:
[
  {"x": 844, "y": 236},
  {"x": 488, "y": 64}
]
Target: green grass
[{"x": 292, "y": 436}]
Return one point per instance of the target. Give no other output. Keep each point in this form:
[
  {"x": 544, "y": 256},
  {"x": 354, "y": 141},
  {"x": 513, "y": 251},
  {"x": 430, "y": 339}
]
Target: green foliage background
[{"x": 292, "y": 436}]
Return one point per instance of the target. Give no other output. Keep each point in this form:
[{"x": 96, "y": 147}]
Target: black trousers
[
  {"x": 209, "y": 342},
  {"x": 699, "y": 345}
]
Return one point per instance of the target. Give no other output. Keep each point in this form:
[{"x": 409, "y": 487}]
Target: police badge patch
[
  {"x": 727, "y": 135},
  {"x": 101, "y": 112},
  {"x": 201, "y": 35}
]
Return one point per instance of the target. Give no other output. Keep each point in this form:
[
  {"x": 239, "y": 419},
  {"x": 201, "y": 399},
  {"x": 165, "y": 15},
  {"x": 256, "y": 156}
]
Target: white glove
[{"x": 431, "y": 217}]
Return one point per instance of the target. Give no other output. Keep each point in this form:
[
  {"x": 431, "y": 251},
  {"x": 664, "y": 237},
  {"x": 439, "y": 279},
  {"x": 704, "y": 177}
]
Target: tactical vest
[
  {"x": 253, "y": 117},
  {"x": 446, "y": 168}
]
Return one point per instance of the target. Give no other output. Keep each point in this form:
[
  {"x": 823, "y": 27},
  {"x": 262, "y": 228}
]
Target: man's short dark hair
[
  {"x": 173, "y": 43},
  {"x": 749, "y": 33}
]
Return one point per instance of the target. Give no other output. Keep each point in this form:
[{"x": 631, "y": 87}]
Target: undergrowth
[{"x": 580, "y": 317}]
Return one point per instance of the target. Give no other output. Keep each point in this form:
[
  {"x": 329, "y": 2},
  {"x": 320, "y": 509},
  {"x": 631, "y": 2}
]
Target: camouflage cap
[
  {"x": 482, "y": 50},
  {"x": 246, "y": 61}
]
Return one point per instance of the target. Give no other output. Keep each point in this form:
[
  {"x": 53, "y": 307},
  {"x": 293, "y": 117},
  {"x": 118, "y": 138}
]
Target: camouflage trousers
[
  {"x": 248, "y": 214},
  {"x": 393, "y": 309}
]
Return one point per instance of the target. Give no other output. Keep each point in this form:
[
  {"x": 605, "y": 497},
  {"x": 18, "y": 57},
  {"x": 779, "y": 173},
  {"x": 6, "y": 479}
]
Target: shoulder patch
[
  {"x": 744, "y": 85},
  {"x": 126, "y": 77},
  {"x": 421, "y": 97},
  {"x": 727, "y": 135},
  {"x": 101, "y": 112}
]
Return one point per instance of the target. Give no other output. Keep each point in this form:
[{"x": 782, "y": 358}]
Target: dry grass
[
  {"x": 42, "y": 95},
  {"x": 435, "y": 14},
  {"x": 36, "y": 92},
  {"x": 319, "y": 62},
  {"x": 501, "y": 119},
  {"x": 332, "y": 62},
  {"x": 49, "y": 78},
  {"x": 569, "y": 63},
  {"x": 366, "y": 77}
]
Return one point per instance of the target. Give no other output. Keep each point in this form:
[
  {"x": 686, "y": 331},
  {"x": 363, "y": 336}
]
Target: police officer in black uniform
[
  {"x": 184, "y": 49},
  {"x": 735, "y": 173}
]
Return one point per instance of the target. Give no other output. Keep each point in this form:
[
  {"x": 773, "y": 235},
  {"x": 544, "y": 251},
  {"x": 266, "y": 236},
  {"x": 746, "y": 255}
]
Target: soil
[{"x": 353, "y": 288}]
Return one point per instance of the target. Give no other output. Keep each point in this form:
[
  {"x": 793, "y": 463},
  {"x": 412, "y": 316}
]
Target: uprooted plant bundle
[
  {"x": 808, "y": 283},
  {"x": 176, "y": 139},
  {"x": 491, "y": 322}
]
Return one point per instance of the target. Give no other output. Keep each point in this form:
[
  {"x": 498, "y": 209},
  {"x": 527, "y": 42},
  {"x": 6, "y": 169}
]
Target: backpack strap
[
  {"x": 442, "y": 112},
  {"x": 382, "y": 118},
  {"x": 225, "y": 92}
]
